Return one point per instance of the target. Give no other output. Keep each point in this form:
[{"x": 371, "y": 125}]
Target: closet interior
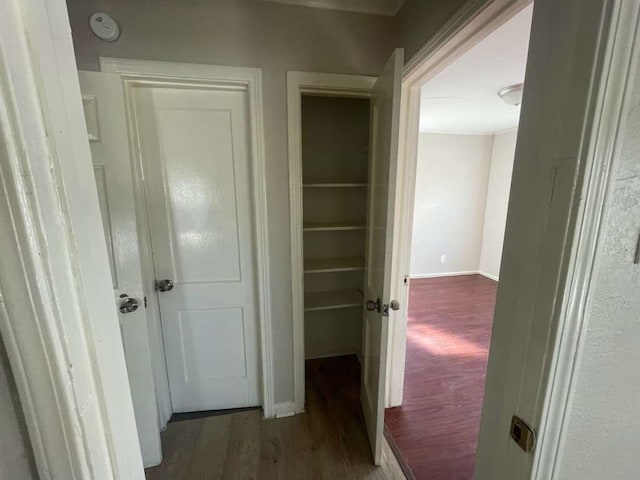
[{"x": 335, "y": 160}]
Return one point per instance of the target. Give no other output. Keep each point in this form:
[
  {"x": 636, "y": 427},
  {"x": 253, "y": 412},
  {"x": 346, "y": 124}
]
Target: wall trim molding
[
  {"x": 136, "y": 73},
  {"x": 490, "y": 276},
  {"x": 462, "y": 26},
  {"x": 454, "y": 274},
  {"x": 444, "y": 274},
  {"x": 285, "y": 409},
  {"x": 297, "y": 84}
]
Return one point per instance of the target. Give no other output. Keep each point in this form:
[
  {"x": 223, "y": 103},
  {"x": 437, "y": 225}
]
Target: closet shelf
[
  {"x": 334, "y": 185},
  {"x": 322, "y": 265},
  {"x": 333, "y": 226},
  {"x": 314, "y": 301}
]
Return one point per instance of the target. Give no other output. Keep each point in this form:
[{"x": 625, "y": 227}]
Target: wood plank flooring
[
  {"x": 448, "y": 336},
  {"x": 329, "y": 441}
]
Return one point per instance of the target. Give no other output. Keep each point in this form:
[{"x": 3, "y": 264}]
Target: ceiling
[
  {"x": 462, "y": 99},
  {"x": 380, "y": 7}
]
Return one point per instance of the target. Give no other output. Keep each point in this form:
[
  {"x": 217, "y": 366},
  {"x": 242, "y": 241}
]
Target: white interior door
[
  {"x": 194, "y": 144},
  {"x": 385, "y": 124},
  {"x": 103, "y": 101}
]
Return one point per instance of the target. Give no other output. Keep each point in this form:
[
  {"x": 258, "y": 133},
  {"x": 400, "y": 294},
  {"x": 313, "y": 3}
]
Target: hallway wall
[
  {"x": 418, "y": 20},
  {"x": 272, "y": 36},
  {"x": 276, "y": 38}
]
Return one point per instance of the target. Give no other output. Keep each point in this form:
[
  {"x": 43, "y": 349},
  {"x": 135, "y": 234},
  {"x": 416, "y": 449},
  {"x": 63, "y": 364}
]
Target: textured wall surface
[{"x": 601, "y": 436}]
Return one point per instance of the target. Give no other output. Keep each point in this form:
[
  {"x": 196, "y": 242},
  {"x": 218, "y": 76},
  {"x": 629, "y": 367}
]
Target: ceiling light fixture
[{"x": 512, "y": 95}]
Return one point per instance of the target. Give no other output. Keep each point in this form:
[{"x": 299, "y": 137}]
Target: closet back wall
[
  {"x": 272, "y": 36},
  {"x": 335, "y": 149}
]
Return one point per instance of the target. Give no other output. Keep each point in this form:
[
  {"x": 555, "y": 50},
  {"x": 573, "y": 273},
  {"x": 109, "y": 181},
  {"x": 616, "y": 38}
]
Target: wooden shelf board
[
  {"x": 334, "y": 185},
  {"x": 345, "y": 264},
  {"x": 333, "y": 226},
  {"x": 315, "y": 301}
]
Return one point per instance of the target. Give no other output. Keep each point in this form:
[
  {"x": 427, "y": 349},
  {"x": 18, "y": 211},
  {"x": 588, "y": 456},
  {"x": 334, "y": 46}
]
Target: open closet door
[
  {"x": 385, "y": 124},
  {"x": 104, "y": 109}
]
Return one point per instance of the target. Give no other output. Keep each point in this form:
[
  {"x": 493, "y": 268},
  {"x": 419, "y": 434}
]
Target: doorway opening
[
  {"x": 342, "y": 131},
  {"x": 468, "y": 119}
]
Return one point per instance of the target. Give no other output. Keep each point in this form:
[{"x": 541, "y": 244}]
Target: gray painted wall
[
  {"x": 16, "y": 456},
  {"x": 272, "y": 36},
  {"x": 451, "y": 191},
  {"x": 418, "y": 20}
]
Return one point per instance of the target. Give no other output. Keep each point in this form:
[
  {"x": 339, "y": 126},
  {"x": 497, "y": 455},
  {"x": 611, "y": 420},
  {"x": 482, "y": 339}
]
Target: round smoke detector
[{"x": 104, "y": 27}]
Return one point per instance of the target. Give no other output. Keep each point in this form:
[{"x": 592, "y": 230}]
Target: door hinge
[{"x": 145, "y": 301}]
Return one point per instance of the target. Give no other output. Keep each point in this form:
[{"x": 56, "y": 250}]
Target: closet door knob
[
  {"x": 164, "y": 285},
  {"x": 128, "y": 304}
]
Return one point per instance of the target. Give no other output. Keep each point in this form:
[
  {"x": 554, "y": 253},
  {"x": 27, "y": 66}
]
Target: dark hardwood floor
[
  {"x": 448, "y": 336},
  {"x": 328, "y": 442}
]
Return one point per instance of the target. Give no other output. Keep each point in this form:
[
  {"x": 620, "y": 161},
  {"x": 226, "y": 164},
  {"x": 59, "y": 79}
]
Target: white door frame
[
  {"x": 473, "y": 22},
  {"x": 614, "y": 100},
  {"x": 57, "y": 313},
  {"x": 145, "y": 73},
  {"x": 299, "y": 83}
]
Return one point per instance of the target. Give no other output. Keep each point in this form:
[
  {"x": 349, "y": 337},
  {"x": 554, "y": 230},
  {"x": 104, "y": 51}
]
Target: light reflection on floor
[{"x": 439, "y": 342}]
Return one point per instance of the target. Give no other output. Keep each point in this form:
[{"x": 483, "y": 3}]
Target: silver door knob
[
  {"x": 128, "y": 304},
  {"x": 394, "y": 305},
  {"x": 164, "y": 285},
  {"x": 373, "y": 305}
]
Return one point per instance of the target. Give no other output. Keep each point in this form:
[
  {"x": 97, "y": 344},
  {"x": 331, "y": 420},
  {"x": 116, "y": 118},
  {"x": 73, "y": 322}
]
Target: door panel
[
  {"x": 201, "y": 194},
  {"x": 195, "y": 154},
  {"x": 385, "y": 124},
  {"x": 103, "y": 101}
]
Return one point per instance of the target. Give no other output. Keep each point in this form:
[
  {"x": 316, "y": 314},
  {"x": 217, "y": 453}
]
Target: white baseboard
[
  {"x": 444, "y": 274},
  {"x": 284, "y": 409},
  {"x": 488, "y": 275}
]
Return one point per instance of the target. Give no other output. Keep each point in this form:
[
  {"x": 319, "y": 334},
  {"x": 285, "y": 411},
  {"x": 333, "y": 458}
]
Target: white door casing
[
  {"x": 194, "y": 147},
  {"x": 104, "y": 108},
  {"x": 470, "y": 24},
  {"x": 313, "y": 83},
  {"x": 57, "y": 313},
  {"x": 385, "y": 119}
]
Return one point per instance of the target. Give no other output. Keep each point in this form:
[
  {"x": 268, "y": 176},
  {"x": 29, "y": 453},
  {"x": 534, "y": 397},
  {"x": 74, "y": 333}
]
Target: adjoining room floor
[
  {"x": 448, "y": 337},
  {"x": 329, "y": 441}
]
